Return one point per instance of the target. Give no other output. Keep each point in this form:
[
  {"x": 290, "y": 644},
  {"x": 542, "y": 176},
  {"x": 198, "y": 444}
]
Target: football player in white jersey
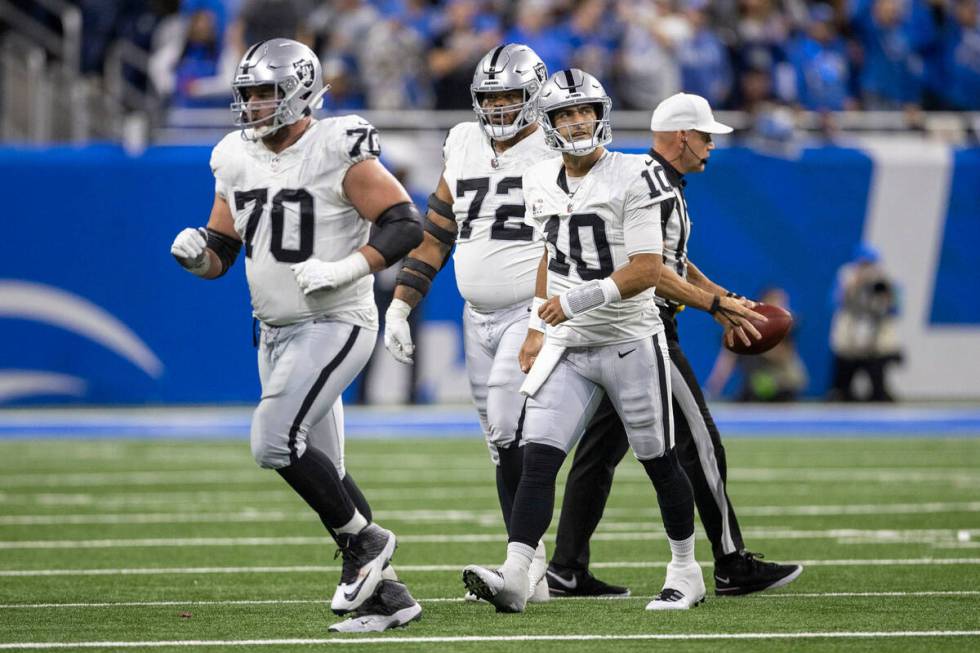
[
  {"x": 301, "y": 194},
  {"x": 602, "y": 260},
  {"x": 479, "y": 206}
]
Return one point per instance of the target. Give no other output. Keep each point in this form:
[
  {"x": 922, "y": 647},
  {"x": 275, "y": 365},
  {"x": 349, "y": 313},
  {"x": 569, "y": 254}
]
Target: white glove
[
  {"x": 398, "y": 336},
  {"x": 190, "y": 249},
  {"x": 314, "y": 274}
]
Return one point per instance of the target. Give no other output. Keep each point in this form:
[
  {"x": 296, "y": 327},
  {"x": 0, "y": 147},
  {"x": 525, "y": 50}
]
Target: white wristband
[
  {"x": 355, "y": 267},
  {"x": 589, "y": 296},
  {"x": 534, "y": 321}
]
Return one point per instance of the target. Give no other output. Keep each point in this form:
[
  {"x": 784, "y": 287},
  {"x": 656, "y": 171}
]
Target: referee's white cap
[{"x": 686, "y": 111}]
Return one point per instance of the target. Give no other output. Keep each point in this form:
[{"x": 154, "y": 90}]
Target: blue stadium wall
[{"x": 94, "y": 310}]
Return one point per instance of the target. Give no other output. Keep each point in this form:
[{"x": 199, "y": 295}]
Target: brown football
[{"x": 773, "y": 331}]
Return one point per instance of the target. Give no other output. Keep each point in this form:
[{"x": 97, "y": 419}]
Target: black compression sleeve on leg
[
  {"x": 534, "y": 504},
  {"x": 674, "y": 495},
  {"x": 587, "y": 487},
  {"x": 509, "y": 479},
  {"x": 357, "y": 497},
  {"x": 314, "y": 478}
]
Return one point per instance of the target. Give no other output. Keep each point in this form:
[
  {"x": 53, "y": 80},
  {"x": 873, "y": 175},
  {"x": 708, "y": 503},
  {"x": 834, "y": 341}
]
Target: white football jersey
[
  {"x": 591, "y": 232},
  {"x": 291, "y": 206},
  {"x": 497, "y": 255}
]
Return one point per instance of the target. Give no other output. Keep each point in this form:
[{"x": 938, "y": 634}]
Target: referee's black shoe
[
  {"x": 744, "y": 572},
  {"x": 579, "y": 582}
]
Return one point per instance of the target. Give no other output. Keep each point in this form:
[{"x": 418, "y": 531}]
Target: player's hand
[
  {"x": 190, "y": 248},
  {"x": 529, "y": 350},
  {"x": 737, "y": 317},
  {"x": 398, "y": 335},
  {"x": 313, "y": 274},
  {"x": 551, "y": 312}
]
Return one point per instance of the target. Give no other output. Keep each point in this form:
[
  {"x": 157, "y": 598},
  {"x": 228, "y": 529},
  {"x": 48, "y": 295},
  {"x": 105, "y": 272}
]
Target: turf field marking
[
  {"x": 137, "y": 571},
  {"x": 492, "y": 516},
  {"x": 920, "y": 536},
  {"x": 346, "y": 641},
  {"x": 163, "y": 604},
  {"x": 959, "y": 475}
]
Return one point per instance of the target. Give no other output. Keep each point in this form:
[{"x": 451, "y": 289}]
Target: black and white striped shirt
[{"x": 675, "y": 223}]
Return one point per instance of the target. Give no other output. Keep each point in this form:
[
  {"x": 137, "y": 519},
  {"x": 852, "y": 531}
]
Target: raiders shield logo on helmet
[{"x": 304, "y": 71}]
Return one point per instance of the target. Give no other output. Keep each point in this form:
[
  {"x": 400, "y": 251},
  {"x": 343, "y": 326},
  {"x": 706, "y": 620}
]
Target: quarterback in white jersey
[
  {"x": 301, "y": 195},
  {"x": 595, "y": 284}
]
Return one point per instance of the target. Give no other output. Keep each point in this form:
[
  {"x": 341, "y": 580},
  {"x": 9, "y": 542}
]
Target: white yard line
[
  {"x": 467, "y": 473},
  {"x": 136, "y": 571},
  {"x": 323, "y": 601},
  {"x": 880, "y": 536},
  {"x": 930, "y": 507},
  {"x": 347, "y": 641}
]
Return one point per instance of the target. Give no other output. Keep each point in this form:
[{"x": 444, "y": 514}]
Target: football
[{"x": 773, "y": 331}]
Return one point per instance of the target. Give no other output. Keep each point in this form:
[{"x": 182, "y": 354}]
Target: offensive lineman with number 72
[{"x": 302, "y": 194}]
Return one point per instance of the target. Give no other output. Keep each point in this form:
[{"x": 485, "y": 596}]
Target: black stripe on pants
[{"x": 701, "y": 453}]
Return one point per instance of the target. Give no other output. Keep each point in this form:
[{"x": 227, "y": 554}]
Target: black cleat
[
  {"x": 745, "y": 572},
  {"x": 580, "y": 582}
]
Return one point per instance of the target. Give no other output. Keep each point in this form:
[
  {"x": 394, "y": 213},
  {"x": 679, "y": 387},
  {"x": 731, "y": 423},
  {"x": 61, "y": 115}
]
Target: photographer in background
[{"x": 863, "y": 335}]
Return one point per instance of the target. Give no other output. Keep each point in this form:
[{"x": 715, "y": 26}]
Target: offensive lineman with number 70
[{"x": 302, "y": 194}]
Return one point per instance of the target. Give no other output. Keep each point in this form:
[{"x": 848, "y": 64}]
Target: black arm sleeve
[
  {"x": 225, "y": 247},
  {"x": 398, "y": 232}
]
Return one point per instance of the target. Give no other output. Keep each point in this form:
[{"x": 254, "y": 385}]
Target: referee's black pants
[{"x": 604, "y": 444}]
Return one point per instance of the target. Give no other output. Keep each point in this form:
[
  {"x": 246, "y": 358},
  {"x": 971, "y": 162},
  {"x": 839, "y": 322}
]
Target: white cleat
[
  {"x": 392, "y": 606},
  {"x": 365, "y": 556},
  {"x": 683, "y": 588},
  {"x": 538, "y": 590},
  {"x": 470, "y": 597},
  {"x": 507, "y": 592}
]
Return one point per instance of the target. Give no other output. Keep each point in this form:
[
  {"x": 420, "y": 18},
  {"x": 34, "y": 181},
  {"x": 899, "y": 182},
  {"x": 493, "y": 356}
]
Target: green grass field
[{"x": 188, "y": 546}]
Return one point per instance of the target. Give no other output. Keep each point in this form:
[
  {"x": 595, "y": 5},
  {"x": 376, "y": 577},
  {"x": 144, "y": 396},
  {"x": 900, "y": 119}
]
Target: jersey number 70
[{"x": 259, "y": 197}]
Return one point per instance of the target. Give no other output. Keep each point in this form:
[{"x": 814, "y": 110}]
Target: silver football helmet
[
  {"x": 294, "y": 72},
  {"x": 505, "y": 68},
  {"x": 568, "y": 88}
]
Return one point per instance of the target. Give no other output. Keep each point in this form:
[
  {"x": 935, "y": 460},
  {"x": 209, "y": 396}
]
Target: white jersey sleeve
[
  {"x": 358, "y": 141},
  {"x": 223, "y": 164},
  {"x": 642, "y": 232}
]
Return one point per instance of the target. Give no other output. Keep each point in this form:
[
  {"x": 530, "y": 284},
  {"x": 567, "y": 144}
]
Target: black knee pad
[{"x": 674, "y": 494}]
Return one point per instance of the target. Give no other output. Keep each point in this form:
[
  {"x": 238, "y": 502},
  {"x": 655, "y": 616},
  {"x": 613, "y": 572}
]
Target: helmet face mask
[
  {"x": 571, "y": 88},
  {"x": 511, "y": 67},
  {"x": 288, "y": 67}
]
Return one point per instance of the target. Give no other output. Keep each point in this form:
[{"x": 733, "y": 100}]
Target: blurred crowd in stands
[{"x": 396, "y": 54}]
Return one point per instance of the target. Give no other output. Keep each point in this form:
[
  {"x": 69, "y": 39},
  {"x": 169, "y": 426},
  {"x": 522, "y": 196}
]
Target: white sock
[
  {"x": 355, "y": 525},
  {"x": 682, "y": 551},
  {"x": 388, "y": 573},
  {"x": 519, "y": 557}
]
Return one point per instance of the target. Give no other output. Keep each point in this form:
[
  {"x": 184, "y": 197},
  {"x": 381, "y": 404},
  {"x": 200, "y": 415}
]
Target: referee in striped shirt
[{"x": 682, "y": 127}]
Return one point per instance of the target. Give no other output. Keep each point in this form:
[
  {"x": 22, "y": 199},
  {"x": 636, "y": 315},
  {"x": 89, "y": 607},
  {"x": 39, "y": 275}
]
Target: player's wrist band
[
  {"x": 589, "y": 296},
  {"x": 715, "y": 305},
  {"x": 422, "y": 281},
  {"x": 534, "y": 321}
]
